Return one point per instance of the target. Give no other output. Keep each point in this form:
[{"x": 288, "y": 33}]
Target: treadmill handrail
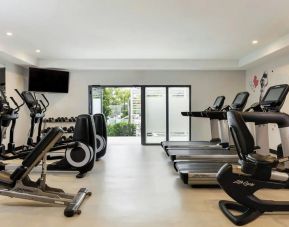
[
  {"x": 281, "y": 119},
  {"x": 194, "y": 114},
  {"x": 219, "y": 115}
]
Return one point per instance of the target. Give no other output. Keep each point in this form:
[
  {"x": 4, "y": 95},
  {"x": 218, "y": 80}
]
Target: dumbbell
[
  {"x": 48, "y": 119},
  {"x": 64, "y": 129},
  {"x": 47, "y": 129},
  {"x": 70, "y": 129},
  {"x": 71, "y": 119}
]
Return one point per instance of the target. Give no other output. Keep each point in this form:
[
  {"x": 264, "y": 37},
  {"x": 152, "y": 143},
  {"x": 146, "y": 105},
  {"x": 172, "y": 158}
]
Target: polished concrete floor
[{"x": 133, "y": 186}]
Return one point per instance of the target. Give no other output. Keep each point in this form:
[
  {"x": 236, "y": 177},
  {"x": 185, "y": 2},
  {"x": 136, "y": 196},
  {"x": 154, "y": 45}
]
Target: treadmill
[
  {"x": 225, "y": 149},
  {"x": 215, "y": 138},
  {"x": 196, "y": 173}
]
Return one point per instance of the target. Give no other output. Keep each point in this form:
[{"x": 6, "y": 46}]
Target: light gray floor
[{"x": 132, "y": 186}]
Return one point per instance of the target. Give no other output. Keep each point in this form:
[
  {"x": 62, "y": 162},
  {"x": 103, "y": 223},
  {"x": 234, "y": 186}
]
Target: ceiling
[{"x": 141, "y": 29}]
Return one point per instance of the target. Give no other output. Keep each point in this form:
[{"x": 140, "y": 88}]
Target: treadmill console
[
  {"x": 240, "y": 101},
  {"x": 219, "y": 102},
  {"x": 275, "y": 97}
]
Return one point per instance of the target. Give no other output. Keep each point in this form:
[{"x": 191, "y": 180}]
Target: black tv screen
[{"x": 48, "y": 80}]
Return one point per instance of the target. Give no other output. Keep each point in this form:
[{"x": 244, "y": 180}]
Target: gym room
[{"x": 136, "y": 113}]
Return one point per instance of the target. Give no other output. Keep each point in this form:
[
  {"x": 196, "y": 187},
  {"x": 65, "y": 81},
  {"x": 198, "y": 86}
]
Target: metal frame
[{"x": 143, "y": 118}]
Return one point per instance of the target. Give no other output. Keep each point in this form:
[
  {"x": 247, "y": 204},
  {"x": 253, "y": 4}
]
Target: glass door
[
  {"x": 155, "y": 99},
  {"x": 179, "y": 101},
  {"x": 162, "y": 107},
  {"x": 96, "y": 100},
  {"x": 151, "y": 112}
]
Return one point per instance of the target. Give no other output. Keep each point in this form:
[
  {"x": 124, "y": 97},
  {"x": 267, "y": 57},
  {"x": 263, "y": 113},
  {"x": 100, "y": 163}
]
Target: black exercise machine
[
  {"x": 80, "y": 155},
  {"x": 81, "y": 152},
  {"x": 101, "y": 135},
  {"x": 37, "y": 110},
  {"x": 255, "y": 171},
  {"x": 19, "y": 185},
  {"x": 214, "y": 123}
]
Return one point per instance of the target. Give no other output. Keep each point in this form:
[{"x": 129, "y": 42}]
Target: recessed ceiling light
[
  {"x": 255, "y": 42},
  {"x": 9, "y": 33},
  {"x": 37, "y": 51}
]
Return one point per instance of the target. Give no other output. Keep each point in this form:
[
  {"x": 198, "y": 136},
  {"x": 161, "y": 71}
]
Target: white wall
[
  {"x": 206, "y": 85},
  {"x": 278, "y": 73},
  {"x": 16, "y": 77}
]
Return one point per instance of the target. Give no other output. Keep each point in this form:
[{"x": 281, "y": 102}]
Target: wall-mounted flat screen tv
[{"x": 48, "y": 80}]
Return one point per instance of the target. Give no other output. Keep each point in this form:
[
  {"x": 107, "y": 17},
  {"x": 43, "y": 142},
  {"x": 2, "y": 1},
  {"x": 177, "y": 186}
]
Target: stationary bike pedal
[{"x": 80, "y": 175}]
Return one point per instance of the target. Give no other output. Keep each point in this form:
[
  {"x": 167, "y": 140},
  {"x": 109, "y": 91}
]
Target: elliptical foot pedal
[
  {"x": 73, "y": 207},
  {"x": 49, "y": 157},
  {"x": 247, "y": 214},
  {"x": 81, "y": 175},
  {"x": 2, "y": 166}
]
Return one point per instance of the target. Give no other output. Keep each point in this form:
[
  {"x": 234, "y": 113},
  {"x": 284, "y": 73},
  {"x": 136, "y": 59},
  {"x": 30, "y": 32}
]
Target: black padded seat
[
  {"x": 42, "y": 145},
  {"x": 242, "y": 137},
  {"x": 244, "y": 140},
  {"x": 36, "y": 154}
]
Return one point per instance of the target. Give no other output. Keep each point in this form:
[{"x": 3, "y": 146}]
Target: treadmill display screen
[
  {"x": 239, "y": 99},
  {"x": 274, "y": 94},
  {"x": 218, "y": 102}
]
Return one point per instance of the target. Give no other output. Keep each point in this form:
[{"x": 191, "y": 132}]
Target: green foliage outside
[
  {"x": 115, "y": 96},
  {"x": 118, "y": 96},
  {"x": 121, "y": 129}
]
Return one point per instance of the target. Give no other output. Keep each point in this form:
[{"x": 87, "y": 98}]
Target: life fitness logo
[
  {"x": 254, "y": 82},
  {"x": 244, "y": 183}
]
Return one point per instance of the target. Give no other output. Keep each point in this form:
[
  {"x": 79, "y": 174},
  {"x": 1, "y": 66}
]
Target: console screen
[
  {"x": 218, "y": 102},
  {"x": 239, "y": 99},
  {"x": 274, "y": 94}
]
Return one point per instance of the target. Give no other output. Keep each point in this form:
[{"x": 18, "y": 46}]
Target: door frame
[{"x": 143, "y": 118}]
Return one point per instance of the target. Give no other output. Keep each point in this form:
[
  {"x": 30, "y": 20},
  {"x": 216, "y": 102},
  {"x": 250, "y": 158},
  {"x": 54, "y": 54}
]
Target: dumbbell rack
[{"x": 66, "y": 123}]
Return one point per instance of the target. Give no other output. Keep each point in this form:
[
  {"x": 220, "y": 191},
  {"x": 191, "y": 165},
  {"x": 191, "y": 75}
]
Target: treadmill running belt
[
  {"x": 206, "y": 155},
  {"x": 199, "y": 173}
]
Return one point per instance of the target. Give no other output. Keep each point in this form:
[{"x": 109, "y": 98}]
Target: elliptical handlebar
[
  {"x": 16, "y": 104},
  {"x": 44, "y": 107},
  {"x": 19, "y": 94},
  {"x": 46, "y": 100},
  {"x": 38, "y": 104}
]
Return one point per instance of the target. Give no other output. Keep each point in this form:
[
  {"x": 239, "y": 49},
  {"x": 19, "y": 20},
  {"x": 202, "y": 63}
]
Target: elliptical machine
[
  {"x": 37, "y": 110},
  {"x": 8, "y": 115},
  {"x": 79, "y": 155},
  {"x": 256, "y": 171},
  {"x": 101, "y": 135}
]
